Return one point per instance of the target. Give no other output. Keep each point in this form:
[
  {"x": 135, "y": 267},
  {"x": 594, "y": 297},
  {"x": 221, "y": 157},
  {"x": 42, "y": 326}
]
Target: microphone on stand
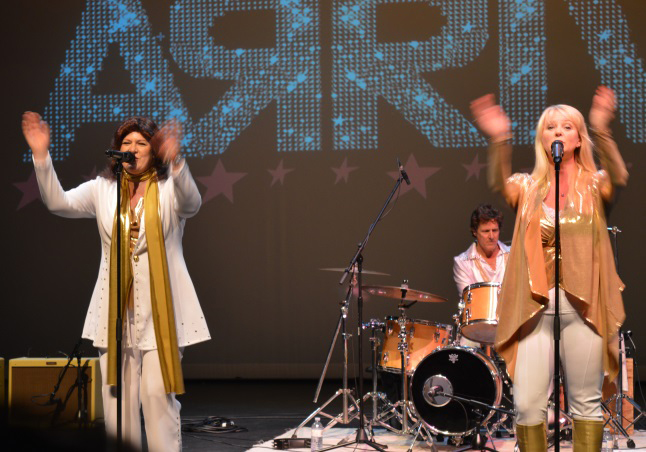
[
  {"x": 403, "y": 171},
  {"x": 125, "y": 157},
  {"x": 435, "y": 390},
  {"x": 557, "y": 151}
]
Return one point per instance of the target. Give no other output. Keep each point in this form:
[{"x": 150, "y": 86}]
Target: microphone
[
  {"x": 403, "y": 171},
  {"x": 435, "y": 390},
  {"x": 125, "y": 157},
  {"x": 557, "y": 151}
]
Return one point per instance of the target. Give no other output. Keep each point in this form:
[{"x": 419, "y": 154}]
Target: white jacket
[{"x": 178, "y": 199}]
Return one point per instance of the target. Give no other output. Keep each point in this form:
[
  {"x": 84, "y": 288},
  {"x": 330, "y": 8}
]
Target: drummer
[{"x": 485, "y": 260}]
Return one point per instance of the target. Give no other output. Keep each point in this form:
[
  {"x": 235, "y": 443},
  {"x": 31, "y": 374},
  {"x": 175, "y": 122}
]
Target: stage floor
[
  {"x": 401, "y": 443},
  {"x": 265, "y": 409},
  {"x": 272, "y": 409}
]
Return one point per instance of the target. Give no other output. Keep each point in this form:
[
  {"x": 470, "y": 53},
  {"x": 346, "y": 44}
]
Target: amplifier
[{"x": 32, "y": 382}]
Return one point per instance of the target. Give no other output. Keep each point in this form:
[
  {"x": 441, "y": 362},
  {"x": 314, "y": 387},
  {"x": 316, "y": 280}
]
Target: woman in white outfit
[
  {"x": 161, "y": 313},
  {"x": 591, "y": 306}
]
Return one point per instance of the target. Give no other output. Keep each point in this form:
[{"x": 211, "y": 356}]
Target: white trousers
[
  {"x": 142, "y": 388},
  {"x": 581, "y": 352}
]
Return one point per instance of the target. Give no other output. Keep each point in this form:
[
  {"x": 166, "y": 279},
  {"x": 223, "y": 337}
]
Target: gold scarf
[{"x": 161, "y": 299}]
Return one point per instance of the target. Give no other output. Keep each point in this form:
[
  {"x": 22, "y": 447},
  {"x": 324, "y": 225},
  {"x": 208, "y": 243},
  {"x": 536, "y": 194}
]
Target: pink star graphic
[
  {"x": 474, "y": 168},
  {"x": 279, "y": 173},
  {"x": 343, "y": 172},
  {"x": 220, "y": 182},
  {"x": 92, "y": 174},
  {"x": 417, "y": 175},
  {"x": 29, "y": 189}
]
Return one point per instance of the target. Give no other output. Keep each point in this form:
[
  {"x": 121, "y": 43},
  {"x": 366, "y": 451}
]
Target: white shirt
[
  {"x": 470, "y": 267},
  {"x": 178, "y": 199}
]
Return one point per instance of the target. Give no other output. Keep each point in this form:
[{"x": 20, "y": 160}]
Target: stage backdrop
[{"x": 294, "y": 114}]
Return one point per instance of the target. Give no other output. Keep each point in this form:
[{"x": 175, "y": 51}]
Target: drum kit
[{"x": 447, "y": 388}]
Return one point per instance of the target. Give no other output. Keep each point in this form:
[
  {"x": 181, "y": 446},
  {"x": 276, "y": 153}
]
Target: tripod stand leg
[
  {"x": 320, "y": 411},
  {"x": 616, "y": 424}
]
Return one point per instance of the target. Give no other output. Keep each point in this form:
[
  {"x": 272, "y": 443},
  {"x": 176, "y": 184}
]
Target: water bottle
[
  {"x": 606, "y": 445},
  {"x": 317, "y": 434}
]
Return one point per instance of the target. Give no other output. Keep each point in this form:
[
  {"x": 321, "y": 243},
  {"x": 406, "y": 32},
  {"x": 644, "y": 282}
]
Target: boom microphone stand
[{"x": 362, "y": 436}]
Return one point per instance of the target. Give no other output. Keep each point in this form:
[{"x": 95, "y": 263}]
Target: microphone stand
[
  {"x": 557, "y": 314},
  {"x": 476, "y": 443},
  {"x": 362, "y": 436},
  {"x": 119, "y": 332}
]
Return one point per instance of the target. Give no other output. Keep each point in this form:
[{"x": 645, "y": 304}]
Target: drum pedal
[{"x": 292, "y": 443}]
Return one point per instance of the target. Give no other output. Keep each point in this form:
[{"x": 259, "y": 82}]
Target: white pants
[
  {"x": 142, "y": 387},
  {"x": 581, "y": 352}
]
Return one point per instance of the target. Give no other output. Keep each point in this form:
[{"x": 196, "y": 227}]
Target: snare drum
[
  {"x": 478, "y": 319},
  {"x": 423, "y": 337}
]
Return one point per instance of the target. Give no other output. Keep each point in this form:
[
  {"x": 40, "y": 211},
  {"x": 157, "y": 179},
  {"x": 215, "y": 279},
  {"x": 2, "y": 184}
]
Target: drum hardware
[
  {"x": 477, "y": 311},
  {"x": 446, "y": 380},
  {"x": 404, "y": 293},
  {"x": 619, "y": 397},
  {"x": 375, "y": 396},
  {"x": 414, "y": 337},
  {"x": 356, "y": 263},
  {"x": 375, "y": 325},
  {"x": 349, "y": 402},
  {"x": 353, "y": 270},
  {"x": 477, "y": 442}
]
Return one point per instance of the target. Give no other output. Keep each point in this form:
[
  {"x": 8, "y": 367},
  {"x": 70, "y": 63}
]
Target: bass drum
[{"x": 465, "y": 372}]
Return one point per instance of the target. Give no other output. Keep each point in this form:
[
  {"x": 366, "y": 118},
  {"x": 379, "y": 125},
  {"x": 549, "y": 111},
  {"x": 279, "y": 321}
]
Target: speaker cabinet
[{"x": 32, "y": 381}]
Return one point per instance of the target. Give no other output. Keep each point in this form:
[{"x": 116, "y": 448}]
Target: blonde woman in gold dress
[{"x": 591, "y": 305}]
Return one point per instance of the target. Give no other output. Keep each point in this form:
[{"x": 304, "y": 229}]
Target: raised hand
[
  {"x": 167, "y": 141},
  {"x": 603, "y": 108},
  {"x": 36, "y": 132},
  {"x": 490, "y": 117}
]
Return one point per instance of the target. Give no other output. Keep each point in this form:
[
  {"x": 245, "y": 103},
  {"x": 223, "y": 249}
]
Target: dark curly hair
[
  {"x": 484, "y": 213},
  {"x": 147, "y": 128}
]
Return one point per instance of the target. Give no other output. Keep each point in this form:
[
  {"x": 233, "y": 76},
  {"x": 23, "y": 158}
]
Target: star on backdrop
[
  {"x": 279, "y": 173},
  {"x": 417, "y": 175},
  {"x": 474, "y": 168},
  {"x": 29, "y": 189},
  {"x": 219, "y": 182},
  {"x": 343, "y": 172}
]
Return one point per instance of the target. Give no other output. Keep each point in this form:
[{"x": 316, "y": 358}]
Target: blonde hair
[{"x": 583, "y": 155}]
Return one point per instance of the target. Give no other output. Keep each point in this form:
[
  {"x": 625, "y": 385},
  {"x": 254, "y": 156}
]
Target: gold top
[
  {"x": 588, "y": 271},
  {"x": 548, "y": 240}
]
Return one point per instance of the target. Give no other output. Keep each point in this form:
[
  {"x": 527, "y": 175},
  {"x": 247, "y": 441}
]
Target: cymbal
[
  {"x": 365, "y": 272},
  {"x": 403, "y": 293}
]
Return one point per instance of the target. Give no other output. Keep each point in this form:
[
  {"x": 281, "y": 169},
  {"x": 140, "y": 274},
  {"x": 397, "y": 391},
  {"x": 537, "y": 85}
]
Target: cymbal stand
[
  {"x": 618, "y": 398},
  {"x": 401, "y": 409},
  {"x": 348, "y": 414},
  {"x": 374, "y": 325},
  {"x": 402, "y": 346},
  {"x": 617, "y": 421}
]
